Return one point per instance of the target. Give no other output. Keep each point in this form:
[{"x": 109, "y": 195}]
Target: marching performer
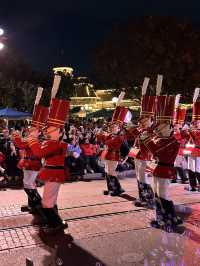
[
  {"x": 111, "y": 154},
  {"x": 139, "y": 152},
  {"x": 29, "y": 163},
  {"x": 53, "y": 151},
  {"x": 182, "y": 136},
  {"x": 193, "y": 146},
  {"x": 164, "y": 148}
]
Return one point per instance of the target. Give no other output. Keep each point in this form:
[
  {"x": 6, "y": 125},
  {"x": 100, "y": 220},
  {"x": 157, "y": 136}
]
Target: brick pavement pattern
[{"x": 95, "y": 219}]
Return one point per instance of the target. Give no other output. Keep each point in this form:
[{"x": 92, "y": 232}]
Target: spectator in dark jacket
[{"x": 11, "y": 156}]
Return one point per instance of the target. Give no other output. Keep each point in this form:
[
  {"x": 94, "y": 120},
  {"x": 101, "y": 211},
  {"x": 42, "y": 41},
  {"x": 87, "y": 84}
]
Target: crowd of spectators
[{"x": 82, "y": 154}]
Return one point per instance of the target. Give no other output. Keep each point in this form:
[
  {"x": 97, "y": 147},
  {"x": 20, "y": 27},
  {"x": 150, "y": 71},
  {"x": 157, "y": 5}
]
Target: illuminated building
[{"x": 88, "y": 99}]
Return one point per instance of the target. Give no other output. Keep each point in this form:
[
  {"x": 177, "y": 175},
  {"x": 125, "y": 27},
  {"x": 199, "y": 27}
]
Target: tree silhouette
[
  {"x": 18, "y": 81},
  {"x": 149, "y": 46}
]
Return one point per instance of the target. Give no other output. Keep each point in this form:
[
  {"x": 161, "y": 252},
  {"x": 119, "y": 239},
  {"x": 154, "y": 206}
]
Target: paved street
[{"x": 103, "y": 230}]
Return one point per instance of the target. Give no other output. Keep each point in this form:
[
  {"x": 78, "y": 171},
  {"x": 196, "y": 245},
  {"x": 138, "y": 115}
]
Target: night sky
[{"x": 52, "y": 33}]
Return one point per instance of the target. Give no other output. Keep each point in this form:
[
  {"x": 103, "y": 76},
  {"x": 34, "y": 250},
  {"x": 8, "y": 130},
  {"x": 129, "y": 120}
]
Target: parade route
[{"x": 103, "y": 230}]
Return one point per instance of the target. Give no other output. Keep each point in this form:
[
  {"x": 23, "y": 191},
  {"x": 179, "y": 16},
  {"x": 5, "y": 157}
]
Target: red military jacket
[
  {"x": 139, "y": 150},
  {"x": 28, "y": 160},
  {"x": 194, "y": 150},
  {"x": 182, "y": 136},
  {"x": 54, "y": 153},
  {"x": 113, "y": 143},
  {"x": 134, "y": 132},
  {"x": 164, "y": 151}
]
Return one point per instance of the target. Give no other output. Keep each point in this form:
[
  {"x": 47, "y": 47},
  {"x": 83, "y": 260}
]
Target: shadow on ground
[{"x": 65, "y": 251}]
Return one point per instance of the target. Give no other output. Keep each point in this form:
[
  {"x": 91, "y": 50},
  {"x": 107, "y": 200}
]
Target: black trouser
[
  {"x": 52, "y": 217},
  {"x": 76, "y": 165}
]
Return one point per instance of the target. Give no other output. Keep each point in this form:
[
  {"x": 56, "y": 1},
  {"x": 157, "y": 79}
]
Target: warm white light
[
  {"x": 1, "y": 45},
  {"x": 1, "y": 31},
  {"x": 114, "y": 99}
]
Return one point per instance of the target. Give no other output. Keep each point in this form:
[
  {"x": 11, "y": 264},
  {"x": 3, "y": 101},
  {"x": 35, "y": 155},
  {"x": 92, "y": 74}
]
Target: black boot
[
  {"x": 181, "y": 173},
  {"x": 109, "y": 185},
  {"x": 171, "y": 220},
  {"x": 56, "y": 208},
  {"x": 176, "y": 220},
  {"x": 198, "y": 179},
  {"x": 192, "y": 180},
  {"x": 27, "y": 208},
  {"x": 149, "y": 196},
  {"x": 55, "y": 223},
  {"x": 146, "y": 196},
  {"x": 113, "y": 185},
  {"x": 116, "y": 187},
  {"x": 141, "y": 202},
  {"x": 34, "y": 199},
  {"x": 160, "y": 213}
]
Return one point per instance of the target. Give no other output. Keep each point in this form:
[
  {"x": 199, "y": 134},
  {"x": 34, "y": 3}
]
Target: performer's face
[
  {"x": 193, "y": 125},
  {"x": 52, "y": 133},
  {"x": 34, "y": 132},
  {"x": 163, "y": 130},
  {"x": 114, "y": 128},
  {"x": 177, "y": 126},
  {"x": 145, "y": 122}
]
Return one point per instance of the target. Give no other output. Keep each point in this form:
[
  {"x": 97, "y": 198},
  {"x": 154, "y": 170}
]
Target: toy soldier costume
[
  {"x": 182, "y": 137},
  {"x": 53, "y": 174},
  {"x": 29, "y": 163},
  {"x": 193, "y": 148},
  {"x": 111, "y": 154},
  {"x": 139, "y": 152},
  {"x": 164, "y": 148}
]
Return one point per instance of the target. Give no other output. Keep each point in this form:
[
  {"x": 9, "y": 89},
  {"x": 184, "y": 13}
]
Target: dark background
[{"x": 52, "y": 33}]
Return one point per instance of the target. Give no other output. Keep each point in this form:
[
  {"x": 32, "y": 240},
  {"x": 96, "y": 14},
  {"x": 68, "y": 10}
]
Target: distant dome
[{"x": 64, "y": 70}]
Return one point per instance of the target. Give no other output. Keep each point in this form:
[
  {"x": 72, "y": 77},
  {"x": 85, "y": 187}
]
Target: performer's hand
[{"x": 144, "y": 135}]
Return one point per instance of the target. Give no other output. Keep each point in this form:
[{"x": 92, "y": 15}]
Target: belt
[
  {"x": 32, "y": 159},
  {"x": 54, "y": 166},
  {"x": 112, "y": 150},
  {"x": 165, "y": 164},
  {"x": 194, "y": 146}
]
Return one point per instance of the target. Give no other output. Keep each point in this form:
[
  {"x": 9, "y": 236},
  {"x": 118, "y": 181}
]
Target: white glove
[
  {"x": 190, "y": 145},
  {"x": 144, "y": 135}
]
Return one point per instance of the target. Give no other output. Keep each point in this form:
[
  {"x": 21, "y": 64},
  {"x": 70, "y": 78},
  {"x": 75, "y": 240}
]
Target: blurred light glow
[
  {"x": 1, "y": 31},
  {"x": 114, "y": 99},
  {"x": 1, "y": 45}
]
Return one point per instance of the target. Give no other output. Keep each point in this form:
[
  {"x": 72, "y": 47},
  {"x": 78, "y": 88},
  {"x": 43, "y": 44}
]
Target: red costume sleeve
[
  {"x": 19, "y": 143},
  {"x": 45, "y": 149}
]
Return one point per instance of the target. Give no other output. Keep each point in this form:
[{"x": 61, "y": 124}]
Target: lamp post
[{"x": 1, "y": 38}]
